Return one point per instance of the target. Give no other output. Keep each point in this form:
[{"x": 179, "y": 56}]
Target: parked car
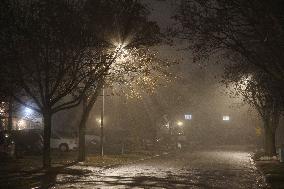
[
  {"x": 64, "y": 144},
  {"x": 7, "y": 145},
  {"x": 28, "y": 141},
  {"x": 92, "y": 139}
]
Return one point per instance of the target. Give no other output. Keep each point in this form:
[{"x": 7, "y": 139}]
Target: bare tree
[
  {"x": 248, "y": 35},
  {"x": 125, "y": 25},
  {"x": 266, "y": 96},
  {"x": 134, "y": 73},
  {"x": 48, "y": 54},
  {"x": 250, "y": 29}
]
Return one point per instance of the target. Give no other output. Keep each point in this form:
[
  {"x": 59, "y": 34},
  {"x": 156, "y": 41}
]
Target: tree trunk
[
  {"x": 46, "y": 138},
  {"x": 88, "y": 104},
  {"x": 82, "y": 129},
  {"x": 82, "y": 142},
  {"x": 271, "y": 120},
  {"x": 10, "y": 115},
  {"x": 87, "y": 107},
  {"x": 269, "y": 142}
]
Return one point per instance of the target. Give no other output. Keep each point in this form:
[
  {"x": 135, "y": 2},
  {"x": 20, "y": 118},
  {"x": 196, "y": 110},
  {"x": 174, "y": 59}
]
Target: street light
[
  {"x": 180, "y": 123},
  {"x": 124, "y": 54},
  {"x": 98, "y": 120},
  {"x": 2, "y": 110},
  {"x": 102, "y": 122},
  {"x": 28, "y": 112}
]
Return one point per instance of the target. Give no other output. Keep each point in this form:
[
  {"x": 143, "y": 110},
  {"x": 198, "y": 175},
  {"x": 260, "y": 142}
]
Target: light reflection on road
[{"x": 199, "y": 169}]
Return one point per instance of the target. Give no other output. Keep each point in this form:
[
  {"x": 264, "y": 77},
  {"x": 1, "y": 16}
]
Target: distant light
[
  {"x": 188, "y": 117},
  {"x": 99, "y": 120},
  {"x": 167, "y": 125},
  {"x": 226, "y": 118},
  {"x": 2, "y": 111},
  {"x": 21, "y": 124},
  {"x": 6, "y": 135},
  {"x": 179, "y": 123},
  {"x": 28, "y": 111}
]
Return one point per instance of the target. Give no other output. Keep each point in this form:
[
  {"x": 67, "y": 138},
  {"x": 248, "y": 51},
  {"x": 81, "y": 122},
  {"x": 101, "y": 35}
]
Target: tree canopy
[
  {"x": 53, "y": 51},
  {"x": 251, "y": 30}
]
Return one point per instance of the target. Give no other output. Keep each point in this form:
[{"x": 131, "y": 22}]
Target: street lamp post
[
  {"x": 102, "y": 122},
  {"x": 120, "y": 46}
]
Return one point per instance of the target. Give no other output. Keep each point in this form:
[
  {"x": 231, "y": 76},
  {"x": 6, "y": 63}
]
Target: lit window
[
  {"x": 226, "y": 118},
  {"x": 188, "y": 117}
]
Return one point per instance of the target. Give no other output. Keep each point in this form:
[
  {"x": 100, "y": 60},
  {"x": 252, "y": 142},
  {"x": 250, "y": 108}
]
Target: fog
[{"x": 196, "y": 91}]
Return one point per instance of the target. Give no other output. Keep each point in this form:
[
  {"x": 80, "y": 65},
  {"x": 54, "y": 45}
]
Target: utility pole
[{"x": 102, "y": 121}]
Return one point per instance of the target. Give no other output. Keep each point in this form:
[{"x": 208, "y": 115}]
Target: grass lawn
[
  {"x": 27, "y": 173},
  {"x": 274, "y": 173}
]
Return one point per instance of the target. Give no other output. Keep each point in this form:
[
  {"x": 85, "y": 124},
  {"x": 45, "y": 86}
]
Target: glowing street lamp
[
  {"x": 120, "y": 48},
  {"x": 98, "y": 120},
  {"x": 28, "y": 111},
  {"x": 2, "y": 111},
  {"x": 180, "y": 123}
]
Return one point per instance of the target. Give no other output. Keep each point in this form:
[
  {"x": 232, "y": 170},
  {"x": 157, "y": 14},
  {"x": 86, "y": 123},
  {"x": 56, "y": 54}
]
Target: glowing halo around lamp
[{"x": 179, "y": 123}]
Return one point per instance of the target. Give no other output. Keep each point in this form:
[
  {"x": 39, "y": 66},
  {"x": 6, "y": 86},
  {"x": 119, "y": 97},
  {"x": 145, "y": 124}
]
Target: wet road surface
[{"x": 226, "y": 169}]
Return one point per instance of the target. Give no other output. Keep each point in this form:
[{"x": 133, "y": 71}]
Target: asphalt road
[{"x": 216, "y": 168}]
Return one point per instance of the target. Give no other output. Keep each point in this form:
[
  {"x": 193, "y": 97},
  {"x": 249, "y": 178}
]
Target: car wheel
[{"x": 63, "y": 148}]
